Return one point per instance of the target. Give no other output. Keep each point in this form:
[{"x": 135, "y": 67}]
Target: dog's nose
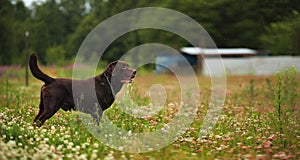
[{"x": 134, "y": 72}]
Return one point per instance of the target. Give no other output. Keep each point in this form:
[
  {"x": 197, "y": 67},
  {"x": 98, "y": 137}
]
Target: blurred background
[{"x": 56, "y": 28}]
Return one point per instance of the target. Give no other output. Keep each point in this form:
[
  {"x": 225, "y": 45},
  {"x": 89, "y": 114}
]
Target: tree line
[{"x": 58, "y": 27}]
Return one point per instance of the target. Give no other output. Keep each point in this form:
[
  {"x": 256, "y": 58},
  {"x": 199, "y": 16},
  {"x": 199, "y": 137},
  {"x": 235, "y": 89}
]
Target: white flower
[
  {"x": 83, "y": 146},
  {"x": 109, "y": 157},
  {"x": 73, "y": 149},
  {"x": 46, "y": 139},
  {"x": 59, "y": 147},
  {"x": 96, "y": 145},
  {"x": 70, "y": 156},
  {"x": 38, "y": 139},
  {"x": 129, "y": 133},
  {"x": 30, "y": 128},
  {"x": 194, "y": 154},
  {"x": 218, "y": 137},
  {"x": 66, "y": 142},
  {"x": 95, "y": 151},
  {"x": 52, "y": 128},
  {"x": 52, "y": 148},
  {"x": 94, "y": 155},
  {"x": 83, "y": 156},
  {"x": 120, "y": 148},
  {"x": 163, "y": 130},
  {"x": 67, "y": 136}
]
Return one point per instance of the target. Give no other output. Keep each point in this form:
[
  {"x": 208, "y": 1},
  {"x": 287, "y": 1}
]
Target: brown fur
[{"x": 57, "y": 93}]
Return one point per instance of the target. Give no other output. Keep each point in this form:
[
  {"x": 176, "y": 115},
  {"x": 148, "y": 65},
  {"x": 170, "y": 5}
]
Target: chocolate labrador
[{"x": 58, "y": 93}]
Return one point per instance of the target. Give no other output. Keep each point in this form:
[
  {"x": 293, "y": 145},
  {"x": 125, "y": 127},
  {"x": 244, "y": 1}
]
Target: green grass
[{"x": 260, "y": 120}]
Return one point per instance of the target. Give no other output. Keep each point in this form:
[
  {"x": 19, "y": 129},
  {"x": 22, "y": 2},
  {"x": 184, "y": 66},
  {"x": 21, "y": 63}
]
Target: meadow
[{"x": 260, "y": 120}]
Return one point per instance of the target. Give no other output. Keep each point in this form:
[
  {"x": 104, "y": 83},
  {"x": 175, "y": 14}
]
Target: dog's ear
[{"x": 111, "y": 68}]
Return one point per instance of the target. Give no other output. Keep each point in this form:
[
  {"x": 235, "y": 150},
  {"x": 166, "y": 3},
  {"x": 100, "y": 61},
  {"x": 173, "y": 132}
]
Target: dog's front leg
[{"x": 98, "y": 116}]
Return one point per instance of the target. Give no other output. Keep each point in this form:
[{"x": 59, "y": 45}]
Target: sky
[{"x": 28, "y": 2}]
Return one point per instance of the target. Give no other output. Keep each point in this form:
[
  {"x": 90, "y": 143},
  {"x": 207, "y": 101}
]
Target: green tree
[
  {"x": 236, "y": 23},
  {"x": 6, "y": 39},
  {"x": 55, "y": 55},
  {"x": 65, "y": 23},
  {"x": 47, "y": 27},
  {"x": 295, "y": 37},
  {"x": 12, "y": 31},
  {"x": 283, "y": 38},
  {"x": 73, "y": 11},
  {"x": 101, "y": 10},
  {"x": 75, "y": 39}
]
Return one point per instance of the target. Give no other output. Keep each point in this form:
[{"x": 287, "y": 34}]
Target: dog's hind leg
[
  {"x": 46, "y": 115},
  {"x": 41, "y": 111},
  {"x": 51, "y": 106}
]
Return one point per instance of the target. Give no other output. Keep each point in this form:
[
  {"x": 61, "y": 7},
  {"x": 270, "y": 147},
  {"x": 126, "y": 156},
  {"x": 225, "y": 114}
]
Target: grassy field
[{"x": 260, "y": 120}]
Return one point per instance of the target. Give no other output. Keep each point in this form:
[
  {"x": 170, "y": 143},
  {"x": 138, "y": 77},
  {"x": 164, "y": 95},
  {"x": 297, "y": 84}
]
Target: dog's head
[{"x": 119, "y": 73}]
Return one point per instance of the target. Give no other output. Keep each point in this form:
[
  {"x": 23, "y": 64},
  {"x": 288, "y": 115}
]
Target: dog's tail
[{"x": 36, "y": 72}]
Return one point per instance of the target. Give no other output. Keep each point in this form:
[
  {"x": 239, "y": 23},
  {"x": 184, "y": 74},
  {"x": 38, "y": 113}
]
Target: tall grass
[{"x": 284, "y": 116}]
